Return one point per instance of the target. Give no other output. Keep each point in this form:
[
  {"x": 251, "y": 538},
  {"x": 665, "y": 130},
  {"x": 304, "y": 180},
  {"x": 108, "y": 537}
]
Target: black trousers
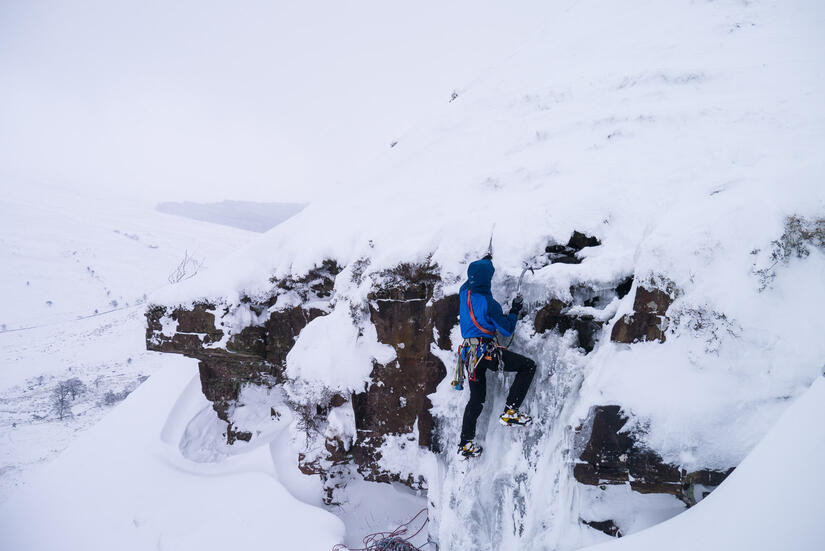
[{"x": 524, "y": 367}]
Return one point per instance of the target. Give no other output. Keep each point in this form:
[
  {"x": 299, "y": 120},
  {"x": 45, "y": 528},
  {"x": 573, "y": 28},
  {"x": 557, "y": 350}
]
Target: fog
[{"x": 263, "y": 101}]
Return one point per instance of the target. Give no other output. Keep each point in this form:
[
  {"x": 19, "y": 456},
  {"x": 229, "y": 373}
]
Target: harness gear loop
[{"x": 469, "y": 353}]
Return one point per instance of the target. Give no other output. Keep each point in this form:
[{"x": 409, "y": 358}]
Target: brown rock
[
  {"x": 404, "y": 314},
  {"x": 648, "y": 321},
  {"x": 607, "y": 526},
  {"x": 579, "y": 241},
  {"x": 317, "y": 283},
  {"x": 281, "y": 330},
  {"x": 251, "y": 341},
  {"x": 309, "y": 467},
  {"x": 553, "y": 317},
  {"x": 611, "y": 456},
  {"x": 195, "y": 328}
]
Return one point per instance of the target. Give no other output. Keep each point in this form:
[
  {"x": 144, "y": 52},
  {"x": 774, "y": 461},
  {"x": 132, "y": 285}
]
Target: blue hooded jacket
[{"x": 487, "y": 311}]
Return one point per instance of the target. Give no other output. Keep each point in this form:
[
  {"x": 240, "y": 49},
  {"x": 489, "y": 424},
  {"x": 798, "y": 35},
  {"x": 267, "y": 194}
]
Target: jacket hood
[{"x": 480, "y": 275}]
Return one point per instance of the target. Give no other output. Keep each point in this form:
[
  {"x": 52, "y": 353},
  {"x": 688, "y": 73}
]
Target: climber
[{"x": 480, "y": 317}]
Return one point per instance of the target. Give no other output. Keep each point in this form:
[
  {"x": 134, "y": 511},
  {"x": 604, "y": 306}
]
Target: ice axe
[
  {"x": 489, "y": 254},
  {"x": 518, "y": 289}
]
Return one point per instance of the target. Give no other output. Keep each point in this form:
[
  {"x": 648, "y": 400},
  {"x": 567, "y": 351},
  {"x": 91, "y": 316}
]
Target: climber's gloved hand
[{"x": 518, "y": 304}]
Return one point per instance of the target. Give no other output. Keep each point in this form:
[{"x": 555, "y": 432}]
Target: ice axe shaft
[
  {"x": 521, "y": 277},
  {"x": 518, "y": 290},
  {"x": 490, "y": 245}
]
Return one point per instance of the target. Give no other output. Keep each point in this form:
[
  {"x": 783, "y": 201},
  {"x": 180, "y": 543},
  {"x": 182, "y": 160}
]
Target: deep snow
[
  {"x": 682, "y": 134},
  {"x": 147, "y": 495}
]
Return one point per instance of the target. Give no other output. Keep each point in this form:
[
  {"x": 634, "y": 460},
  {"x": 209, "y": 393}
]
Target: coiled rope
[{"x": 391, "y": 541}]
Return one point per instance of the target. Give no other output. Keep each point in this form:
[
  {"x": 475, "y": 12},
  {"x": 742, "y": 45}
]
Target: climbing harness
[
  {"x": 391, "y": 541},
  {"x": 470, "y": 352}
]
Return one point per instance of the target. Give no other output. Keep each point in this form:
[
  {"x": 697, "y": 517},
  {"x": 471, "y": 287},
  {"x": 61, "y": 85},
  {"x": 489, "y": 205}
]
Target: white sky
[{"x": 270, "y": 101}]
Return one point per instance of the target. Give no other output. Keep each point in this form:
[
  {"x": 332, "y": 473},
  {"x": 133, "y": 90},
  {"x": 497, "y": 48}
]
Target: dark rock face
[
  {"x": 552, "y": 316},
  {"x": 409, "y": 313},
  {"x": 606, "y": 526},
  {"x": 648, "y": 321},
  {"x": 405, "y": 310},
  {"x": 623, "y": 288},
  {"x": 566, "y": 254},
  {"x": 255, "y": 355},
  {"x": 318, "y": 282},
  {"x": 281, "y": 330},
  {"x": 579, "y": 241},
  {"x": 404, "y": 314},
  {"x": 191, "y": 324},
  {"x": 611, "y": 456},
  {"x": 562, "y": 316},
  {"x": 222, "y": 372}
]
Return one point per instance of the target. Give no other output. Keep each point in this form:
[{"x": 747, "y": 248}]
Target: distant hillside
[{"x": 246, "y": 215}]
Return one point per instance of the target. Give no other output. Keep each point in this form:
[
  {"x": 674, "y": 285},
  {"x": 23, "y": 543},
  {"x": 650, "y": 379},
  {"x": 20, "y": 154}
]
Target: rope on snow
[{"x": 390, "y": 541}]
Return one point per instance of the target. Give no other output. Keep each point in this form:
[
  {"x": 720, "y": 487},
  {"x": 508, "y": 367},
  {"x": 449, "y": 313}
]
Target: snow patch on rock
[{"x": 333, "y": 355}]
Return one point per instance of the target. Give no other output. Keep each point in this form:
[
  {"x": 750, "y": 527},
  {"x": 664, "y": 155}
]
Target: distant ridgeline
[{"x": 246, "y": 215}]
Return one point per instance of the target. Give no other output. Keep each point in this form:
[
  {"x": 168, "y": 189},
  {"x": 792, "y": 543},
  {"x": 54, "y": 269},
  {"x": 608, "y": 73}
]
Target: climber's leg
[
  {"x": 478, "y": 393},
  {"x": 525, "y": 369}
]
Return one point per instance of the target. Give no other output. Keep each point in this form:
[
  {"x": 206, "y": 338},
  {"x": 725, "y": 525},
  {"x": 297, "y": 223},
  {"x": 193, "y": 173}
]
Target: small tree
[
  {"x": 74, "y": 387},
  {"x": 188, "y": 267},
  {"x": 111, "y": 398},
  {"x": 61, "y": 401}
]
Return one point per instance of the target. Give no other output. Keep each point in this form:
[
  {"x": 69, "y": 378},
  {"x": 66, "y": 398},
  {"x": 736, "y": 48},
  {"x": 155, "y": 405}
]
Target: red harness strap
[{"x": 473, "y": 317}]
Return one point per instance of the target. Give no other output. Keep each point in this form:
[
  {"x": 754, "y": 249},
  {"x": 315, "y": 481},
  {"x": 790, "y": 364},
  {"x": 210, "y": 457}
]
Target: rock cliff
[{"x": 411, "y": 313}]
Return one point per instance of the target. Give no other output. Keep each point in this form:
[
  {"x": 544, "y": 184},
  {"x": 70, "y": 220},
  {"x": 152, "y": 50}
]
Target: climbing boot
[
  {"x": 469, "y": 449},
  {"x": 512, "y": 417}
]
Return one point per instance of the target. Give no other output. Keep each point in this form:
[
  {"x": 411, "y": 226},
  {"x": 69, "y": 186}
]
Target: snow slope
[
  {"x": 75, "y": 272},
  {"x": 771, "y": 502},
  {"x": 67, "y": 254},
  {"x": 683, "y": 135},
  {"x": 147, "y": 495}
]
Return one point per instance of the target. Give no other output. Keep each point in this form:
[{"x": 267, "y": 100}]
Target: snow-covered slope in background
[
  {"x": 663, "y": 129},
  {"x": 75, "y": 272},
  {"x": 67, "y": 255}
]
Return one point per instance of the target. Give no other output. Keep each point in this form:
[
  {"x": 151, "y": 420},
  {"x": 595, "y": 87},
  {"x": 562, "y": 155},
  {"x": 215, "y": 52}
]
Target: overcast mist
[{"x": 211, "y": 100}]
